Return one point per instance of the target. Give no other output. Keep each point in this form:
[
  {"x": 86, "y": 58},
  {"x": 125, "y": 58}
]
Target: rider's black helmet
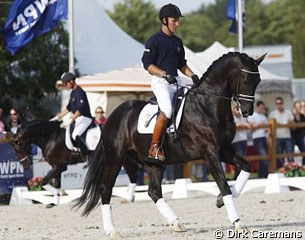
[
  {"x": 169, "y": 10},
  {"x": 67, "y": 76}
]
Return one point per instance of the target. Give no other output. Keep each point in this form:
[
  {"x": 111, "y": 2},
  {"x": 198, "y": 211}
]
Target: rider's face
[{"x": 173, "y": 24}]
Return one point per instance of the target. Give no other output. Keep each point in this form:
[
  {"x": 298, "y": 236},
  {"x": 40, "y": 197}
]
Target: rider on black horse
[
  {"x": 80, "y": 108},
  {"x": 163, "y": 56}
]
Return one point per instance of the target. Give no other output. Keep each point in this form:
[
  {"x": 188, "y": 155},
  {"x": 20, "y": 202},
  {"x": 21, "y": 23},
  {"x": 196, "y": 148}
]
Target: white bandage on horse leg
[
  {"x": 130, "y": 191},
  {"x": 230, "y": 206},
  {"x": 166, "y": 211},
  {"x": 107, "y": 218},
  {"x": 240, "y": 182}
]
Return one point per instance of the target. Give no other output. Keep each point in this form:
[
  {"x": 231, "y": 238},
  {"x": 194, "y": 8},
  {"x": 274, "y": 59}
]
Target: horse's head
[
  {"x": 245, "y": 79},
  {"x": 22, "y": 146}
]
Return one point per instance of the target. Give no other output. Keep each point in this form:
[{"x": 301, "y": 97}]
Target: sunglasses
[
  {"x": 99, "y": 112},
  {"x": 279, "y": 103},
  {"x": 13, "y": 114}
]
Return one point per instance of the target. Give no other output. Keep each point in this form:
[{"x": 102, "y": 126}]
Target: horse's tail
[{"x": 93, "y": 182}]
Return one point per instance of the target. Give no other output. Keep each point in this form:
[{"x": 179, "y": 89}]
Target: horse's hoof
[
  {"x": 219, "y": 201},
  {"x": 50, "y": 205},
  {"x": 239, "y": 227},
  {"x": 178, "y": 227},
  {"x": 115, "y": 235}
]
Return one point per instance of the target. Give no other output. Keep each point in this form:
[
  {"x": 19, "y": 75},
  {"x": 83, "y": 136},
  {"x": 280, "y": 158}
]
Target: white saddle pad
[
  {"x": 92, "y": 138},
  {"x": 146, "y": 123}
]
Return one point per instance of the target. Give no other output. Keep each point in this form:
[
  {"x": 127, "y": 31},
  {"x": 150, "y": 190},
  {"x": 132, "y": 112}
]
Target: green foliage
[
  {"x": 139, "y": 19},
  {"x": 279, "y": 22},
  {"x": 29, "y": 77}
]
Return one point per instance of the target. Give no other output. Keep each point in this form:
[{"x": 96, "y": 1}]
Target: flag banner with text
[{"x": 30, "y": 18}]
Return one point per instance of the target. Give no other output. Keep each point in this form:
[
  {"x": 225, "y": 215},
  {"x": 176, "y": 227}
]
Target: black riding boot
[{"x": 83, "y": 148}]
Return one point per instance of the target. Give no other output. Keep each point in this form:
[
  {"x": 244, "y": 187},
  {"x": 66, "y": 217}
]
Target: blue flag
[
  {"x": 30, "y": 18},
  {"x": 232, "y": 14}
]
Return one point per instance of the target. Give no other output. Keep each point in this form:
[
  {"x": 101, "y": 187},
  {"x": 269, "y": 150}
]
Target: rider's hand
[
  {"x": 196, "y": 80},
  {"x": 56, "y": 118},
  {"x": 171, "y": 79},
  {"x": 66, "y": 123}
]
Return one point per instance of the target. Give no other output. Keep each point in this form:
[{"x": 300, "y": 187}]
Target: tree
[{"x": 139, "y": 19}]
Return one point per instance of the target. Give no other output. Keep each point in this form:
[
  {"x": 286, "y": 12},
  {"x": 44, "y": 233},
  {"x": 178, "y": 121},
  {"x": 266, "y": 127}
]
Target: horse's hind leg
[
  {"x": 112, "y": 168},
  {"x": 155, "y": 192},
  {"x": 131, "y": 168}
]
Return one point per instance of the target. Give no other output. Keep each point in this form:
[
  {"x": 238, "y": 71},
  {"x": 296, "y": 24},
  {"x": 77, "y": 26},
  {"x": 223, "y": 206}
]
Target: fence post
[{"x": 272, "y": 146}]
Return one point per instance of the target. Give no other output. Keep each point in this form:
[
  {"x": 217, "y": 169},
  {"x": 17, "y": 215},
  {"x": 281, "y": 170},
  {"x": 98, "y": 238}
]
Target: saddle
[
  {"x": 150, "y": 112},
  {"x": 91, "y": 136}
]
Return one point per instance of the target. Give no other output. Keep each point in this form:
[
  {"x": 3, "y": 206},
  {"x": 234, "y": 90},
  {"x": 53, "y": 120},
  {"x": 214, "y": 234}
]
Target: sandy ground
[{"x": 262, "y": 213}]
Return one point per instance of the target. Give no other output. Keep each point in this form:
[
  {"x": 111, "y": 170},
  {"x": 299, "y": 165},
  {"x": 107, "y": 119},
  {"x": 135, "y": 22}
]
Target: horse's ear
[{"x": 260, "y": 59}]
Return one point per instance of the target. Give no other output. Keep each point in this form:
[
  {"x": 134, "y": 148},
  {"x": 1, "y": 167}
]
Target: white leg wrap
[
  {"x": 107, "y": 218},
  {"x": 130, "y": 191},
  {"x": 240, "y": 182},
  {"x": 166, "y": 211},
  {"x": 230, "y": 206}
]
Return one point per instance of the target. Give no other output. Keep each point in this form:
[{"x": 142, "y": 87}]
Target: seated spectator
[
  {"x": 99, "y": 118},
  {"x": 14, "y": 123}
]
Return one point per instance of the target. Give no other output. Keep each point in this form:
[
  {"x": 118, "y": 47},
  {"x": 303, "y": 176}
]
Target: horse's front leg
[
  {"x": 229, "y": 156},
  {"x": 155, "y": 192},
  {"x": 55, "y": 172},
  {"x": 219, "y": 177}
]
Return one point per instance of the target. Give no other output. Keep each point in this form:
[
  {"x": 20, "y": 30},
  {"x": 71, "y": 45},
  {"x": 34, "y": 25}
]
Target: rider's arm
[
  {"x": 75, "y": 115},
  {"x": 187, "y": 71},
  {"x": 154, "y": 70},
  {"x": 63, "y": 113}
]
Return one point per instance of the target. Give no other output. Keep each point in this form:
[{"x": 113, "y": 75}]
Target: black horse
[
  {"x": 50, "y": 137},
  {"x": 206, "y": 131}
]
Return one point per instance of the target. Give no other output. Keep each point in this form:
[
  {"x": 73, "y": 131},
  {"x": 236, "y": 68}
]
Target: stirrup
[{"x": 155, "y": 152}]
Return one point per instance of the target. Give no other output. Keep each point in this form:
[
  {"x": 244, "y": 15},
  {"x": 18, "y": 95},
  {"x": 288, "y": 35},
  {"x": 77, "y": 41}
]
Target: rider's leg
[
  {"x": 81, "y": 124},
  {"x": 163, "y": 92},
  {"x": 155, "y": 150}
]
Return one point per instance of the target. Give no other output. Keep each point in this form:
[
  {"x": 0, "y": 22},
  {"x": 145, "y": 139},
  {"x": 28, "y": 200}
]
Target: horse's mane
[
  {"x": 244, "y": 58},
  {"x": 43, "y": 124}
]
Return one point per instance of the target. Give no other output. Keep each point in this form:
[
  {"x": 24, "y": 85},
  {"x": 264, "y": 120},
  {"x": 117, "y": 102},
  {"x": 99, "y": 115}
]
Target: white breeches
[
  {"x": 164, "y": 93},
  {"x": 81, "y": 124}
]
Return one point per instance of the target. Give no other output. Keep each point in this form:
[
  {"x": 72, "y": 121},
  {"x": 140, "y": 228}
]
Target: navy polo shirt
[
  {"x": 79, "y": 101},
  {"x": 166, "y": 52}
]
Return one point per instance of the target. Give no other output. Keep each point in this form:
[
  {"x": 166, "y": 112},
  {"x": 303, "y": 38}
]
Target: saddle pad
[{"x": 148, "y": 112}]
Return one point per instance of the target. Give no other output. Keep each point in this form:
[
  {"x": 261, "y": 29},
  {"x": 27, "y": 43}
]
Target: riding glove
[
  {"x": 56, "y": 118},
  {"x": 171, "y": 79},
  {"x": 196, "y": 80},
  {"x": 66, "y": 123}
]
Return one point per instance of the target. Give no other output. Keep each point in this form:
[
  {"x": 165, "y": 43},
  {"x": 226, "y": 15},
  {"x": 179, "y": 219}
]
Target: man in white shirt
[
  {"x": 258, "y": 120},
  {"x": 283, "y": 135}
]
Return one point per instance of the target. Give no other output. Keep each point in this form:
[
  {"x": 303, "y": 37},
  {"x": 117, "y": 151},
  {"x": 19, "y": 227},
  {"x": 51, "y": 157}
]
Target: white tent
[
  {"x": 100, "y": 45},
  {"x": 270, "y": 82}
]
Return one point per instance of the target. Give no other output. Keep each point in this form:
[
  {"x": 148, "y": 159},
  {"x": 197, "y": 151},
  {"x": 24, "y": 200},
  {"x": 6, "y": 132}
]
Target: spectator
[
  {"x": 2, "y": 126},
  {"x": 14, "y": 123},
  {"x": 283, "y": 135},
  {"x": 168, "y": 176},
  {"x": 257, "y": 120},
  {"x": 200, "y": 172},
  {"x": 297, "y": 134},
  {"x": 99, "y": 118},
  {"x": 239, "y": 142}
]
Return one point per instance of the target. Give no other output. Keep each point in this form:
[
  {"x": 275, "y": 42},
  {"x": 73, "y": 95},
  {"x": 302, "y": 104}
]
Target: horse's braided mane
[
  {"x": 44, "y": 124},
  {"x": 244, "y": 58}
]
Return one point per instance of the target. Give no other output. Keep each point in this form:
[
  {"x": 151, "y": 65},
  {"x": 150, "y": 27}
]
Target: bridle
[
  {"x": 240, "y": 96},
  {"x": 236, "y": 97}
]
